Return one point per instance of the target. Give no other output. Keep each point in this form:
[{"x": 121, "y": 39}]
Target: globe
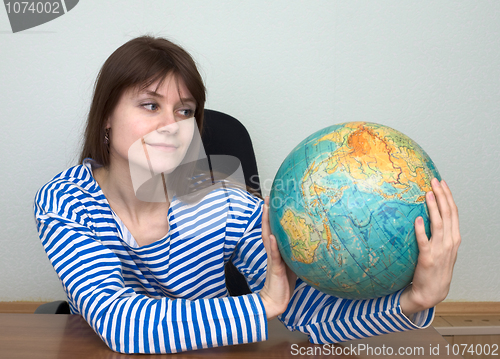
[{"x": 343, "y": 206}]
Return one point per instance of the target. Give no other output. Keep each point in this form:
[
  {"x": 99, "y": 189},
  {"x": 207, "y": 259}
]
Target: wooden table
[{"x": 70, "y": 337}]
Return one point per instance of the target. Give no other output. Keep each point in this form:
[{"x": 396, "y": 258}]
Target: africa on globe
[{"x": 343, "y": 206}]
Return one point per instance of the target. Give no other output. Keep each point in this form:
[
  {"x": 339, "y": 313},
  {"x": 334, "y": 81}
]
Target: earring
[{"x": 106, "y": 136}]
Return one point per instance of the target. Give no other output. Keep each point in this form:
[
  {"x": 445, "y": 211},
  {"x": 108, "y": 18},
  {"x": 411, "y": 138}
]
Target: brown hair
[{"x": 138, "y": 63}]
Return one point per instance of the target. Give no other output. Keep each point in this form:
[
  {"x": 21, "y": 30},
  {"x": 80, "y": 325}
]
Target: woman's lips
[{"x": 163, "y": 147}]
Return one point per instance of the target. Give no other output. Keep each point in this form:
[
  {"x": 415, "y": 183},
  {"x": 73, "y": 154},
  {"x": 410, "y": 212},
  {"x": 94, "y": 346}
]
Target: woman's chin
[
  {"x": 143, "y": 168},
  {"x": 165, "y": 168}
]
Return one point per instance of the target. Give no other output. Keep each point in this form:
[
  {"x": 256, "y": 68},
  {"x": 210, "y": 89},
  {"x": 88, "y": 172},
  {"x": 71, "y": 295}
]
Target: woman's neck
[{"x": 116, "y": 184}]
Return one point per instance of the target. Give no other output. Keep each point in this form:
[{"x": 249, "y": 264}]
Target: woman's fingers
[
  {"x": 455, "y": 227},
  {"x": 265, "y": 223},
  {"x": 422, "y": 240},
  {"x": 437, "y": 256},
  {"x": 270, "y": 244},
  {"x": 436, "y": 203},
  {"x": 275, "y": 253},
  {"x": 436, "y": 221}
]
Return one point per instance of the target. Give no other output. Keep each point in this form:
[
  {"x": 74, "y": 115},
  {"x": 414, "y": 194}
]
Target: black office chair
[
  {"x": 225, "y": 135},
  {"x": 222, "y": 135}
]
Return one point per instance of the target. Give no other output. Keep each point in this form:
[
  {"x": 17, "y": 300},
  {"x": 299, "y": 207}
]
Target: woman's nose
[{"x": 168, "y": 124}]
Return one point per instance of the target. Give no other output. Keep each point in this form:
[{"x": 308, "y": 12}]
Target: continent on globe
[
  {"x": 300, "y": 234},
  {"x": 343, "y": 205}
]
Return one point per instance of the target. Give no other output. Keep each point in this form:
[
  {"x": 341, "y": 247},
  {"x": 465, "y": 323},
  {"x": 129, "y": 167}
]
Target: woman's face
[{"x": 153, "y": 128}]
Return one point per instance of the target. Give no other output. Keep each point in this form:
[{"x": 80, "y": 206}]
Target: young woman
[{"x": 139, "y": 236}]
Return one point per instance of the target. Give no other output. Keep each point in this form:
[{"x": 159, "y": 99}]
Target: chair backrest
[{"x": 225, "y": 135}]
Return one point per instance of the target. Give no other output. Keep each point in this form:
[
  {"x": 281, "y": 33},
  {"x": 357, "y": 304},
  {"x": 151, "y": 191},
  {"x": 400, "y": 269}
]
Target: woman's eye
[
  {"x": 186, "y": 113},
  {"x": 150, "y": 106}
]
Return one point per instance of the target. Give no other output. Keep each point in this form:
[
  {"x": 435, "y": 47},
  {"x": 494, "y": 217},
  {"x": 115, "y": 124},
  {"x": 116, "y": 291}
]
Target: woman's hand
[
  {"x": 432, "y": 278},
  {"x": 280, "y": 280}
]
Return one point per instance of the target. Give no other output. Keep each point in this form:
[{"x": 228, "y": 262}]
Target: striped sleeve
[
  {"x": 91, "y": 275},
  {"x": 250, "y": 255},
  {"x": 328, "y": 319}
]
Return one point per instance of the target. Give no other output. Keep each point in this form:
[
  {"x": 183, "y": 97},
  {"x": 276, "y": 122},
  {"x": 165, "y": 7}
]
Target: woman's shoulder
[
  {"x": 74, "y": 183},
  {"x": 240, "y": 203},
  {"x": 242, "y": 194}
]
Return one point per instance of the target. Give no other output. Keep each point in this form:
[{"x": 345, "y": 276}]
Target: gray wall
[{"x": 430, "y": 69}]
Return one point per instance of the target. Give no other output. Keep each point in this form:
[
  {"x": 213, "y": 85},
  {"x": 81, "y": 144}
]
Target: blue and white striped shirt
[{"x": 170, "y": 296}]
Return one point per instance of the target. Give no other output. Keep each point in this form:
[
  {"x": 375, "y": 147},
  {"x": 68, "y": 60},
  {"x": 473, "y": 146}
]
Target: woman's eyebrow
[
  {"x": 150, "y": 93},
  {"x": 156, "y": 94},
  {"x": 188, "y": 99}
]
